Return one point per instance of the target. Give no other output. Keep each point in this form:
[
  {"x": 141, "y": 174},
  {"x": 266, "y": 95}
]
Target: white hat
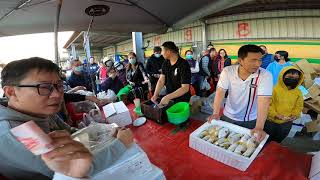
[{"x": 105, "y": 59}]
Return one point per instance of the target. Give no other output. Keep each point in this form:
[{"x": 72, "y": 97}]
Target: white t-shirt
[{"x": 241, "y": 104}]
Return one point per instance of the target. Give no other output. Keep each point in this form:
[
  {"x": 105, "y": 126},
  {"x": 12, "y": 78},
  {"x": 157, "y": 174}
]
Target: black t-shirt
[{"x": 175, "y": 76}]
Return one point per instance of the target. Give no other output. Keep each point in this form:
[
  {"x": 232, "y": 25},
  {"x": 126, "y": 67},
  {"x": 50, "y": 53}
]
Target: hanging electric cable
[{"x": 93, "y": 11}]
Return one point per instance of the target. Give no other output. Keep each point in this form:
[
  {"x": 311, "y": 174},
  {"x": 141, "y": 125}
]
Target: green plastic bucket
[{"x": 178, "y": 113}]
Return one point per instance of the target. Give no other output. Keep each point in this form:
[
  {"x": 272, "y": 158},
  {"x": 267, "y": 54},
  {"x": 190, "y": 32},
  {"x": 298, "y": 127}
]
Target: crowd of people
[
  {"x": 250, "y": 85},
  {"x": 254, "y": 87}
]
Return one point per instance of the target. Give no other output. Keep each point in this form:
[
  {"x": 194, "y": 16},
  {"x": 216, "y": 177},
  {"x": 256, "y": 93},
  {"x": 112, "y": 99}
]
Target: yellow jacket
[{"x": 284, "y": 101}]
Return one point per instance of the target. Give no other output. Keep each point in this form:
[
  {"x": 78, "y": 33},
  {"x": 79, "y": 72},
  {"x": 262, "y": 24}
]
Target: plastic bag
[
  {"x": 102, "y": 95},
  {"x": 96, "y": 135},
  {"x": 86, "y": 93},
  {"x": 97, "y": 116},
  {"x": 86, "y": 119},
  {"x": 206, "y": 85},
  {"x": 207, "y": 104},
  {"x": 93, "y": 116},
  {"x": 194, "y": 99},
  {"x": 83, "y": 106},
  {"x": 111, "y": 96}
]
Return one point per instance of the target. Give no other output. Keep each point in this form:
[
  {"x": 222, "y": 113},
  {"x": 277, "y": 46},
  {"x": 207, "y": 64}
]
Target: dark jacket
[
  {"x": 137, "y": 76},
  {"x": 79, "y": 80},
  {"x": 114, "y": 84},
  {"x": 94, "y": 68},
  {"x": 122, "y": 75},
  {"x": 154, "y": 66},
  {"x": 218, "y": 66}
]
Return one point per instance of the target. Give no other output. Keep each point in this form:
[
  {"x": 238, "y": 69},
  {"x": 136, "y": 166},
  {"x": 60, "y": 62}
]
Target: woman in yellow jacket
[{"x": 286, "y": 104}]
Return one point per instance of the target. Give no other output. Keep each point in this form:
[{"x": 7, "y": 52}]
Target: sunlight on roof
[{"x": 25, "y": 46}]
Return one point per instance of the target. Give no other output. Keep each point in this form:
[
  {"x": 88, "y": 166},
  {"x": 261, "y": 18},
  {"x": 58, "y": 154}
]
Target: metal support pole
[
  {"x": 137, "y": 41},
  {"x": 56, "y": 30},
  {"x": 73, "y": 51},
  {"x": 115, "y": 52},
  {"x": 204, "y": 35},
  {"x": 86, "y": 44}
]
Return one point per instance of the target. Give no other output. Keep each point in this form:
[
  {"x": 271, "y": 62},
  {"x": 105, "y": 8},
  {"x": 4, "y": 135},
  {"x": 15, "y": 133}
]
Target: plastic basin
[{"x": 178, "y": 113}]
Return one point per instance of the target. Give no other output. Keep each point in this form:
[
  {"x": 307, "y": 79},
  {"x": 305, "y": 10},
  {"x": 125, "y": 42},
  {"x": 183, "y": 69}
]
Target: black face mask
[{"x": 291, "y": 82}]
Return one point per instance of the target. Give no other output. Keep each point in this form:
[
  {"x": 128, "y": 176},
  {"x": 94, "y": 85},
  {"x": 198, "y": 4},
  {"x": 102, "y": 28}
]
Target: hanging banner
[
  {"x": 157, "y": 41},
  {"x": 243, "y": 29},
  {"x": 188, "y": 35}
]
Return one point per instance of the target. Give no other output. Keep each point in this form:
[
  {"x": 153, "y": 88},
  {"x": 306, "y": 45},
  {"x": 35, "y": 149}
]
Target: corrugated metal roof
[{"x": 98, "y": 40}]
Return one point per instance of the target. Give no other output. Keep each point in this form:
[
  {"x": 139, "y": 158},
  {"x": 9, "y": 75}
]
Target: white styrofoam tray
[
  {"x": 133, "y": 164},
  {"x": 220, "y": 154},
  {"x": 315, "y": 167}
]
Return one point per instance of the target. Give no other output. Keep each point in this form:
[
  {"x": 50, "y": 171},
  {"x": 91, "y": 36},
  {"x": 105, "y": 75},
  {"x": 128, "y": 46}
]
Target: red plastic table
[{"x": 170, "y": 152}]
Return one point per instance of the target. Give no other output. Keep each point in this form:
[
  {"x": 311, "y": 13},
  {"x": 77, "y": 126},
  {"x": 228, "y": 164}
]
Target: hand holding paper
[
  {"x": 69, "y": 157},
  {"x": 33, "y": 138}
]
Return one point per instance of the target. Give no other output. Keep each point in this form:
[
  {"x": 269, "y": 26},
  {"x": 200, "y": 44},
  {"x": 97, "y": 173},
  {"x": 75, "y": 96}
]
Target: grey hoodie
[{"x": 16, "y": 162}]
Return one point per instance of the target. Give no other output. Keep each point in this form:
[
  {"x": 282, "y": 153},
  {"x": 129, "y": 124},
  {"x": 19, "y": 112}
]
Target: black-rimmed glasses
[{"x": 45, "y": 89}]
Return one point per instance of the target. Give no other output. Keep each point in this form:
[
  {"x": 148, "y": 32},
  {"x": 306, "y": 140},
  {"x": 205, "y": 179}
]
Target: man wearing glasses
[{"x": 35, "y": 92}]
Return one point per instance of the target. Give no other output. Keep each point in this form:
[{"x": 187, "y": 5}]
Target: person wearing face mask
[
  {"x": 250, "y": 89},
  {"x": 286, "y": 104},
  {"x": 195, "y": 76},
  {"x": 137, "y": 78},
  {"x": 281, "y": 62},
  {"x": 77, "y": 77},
  {"x": 266, "y": 57},
  {"x": 112, "y": 82},
  {"x": 153, "y": 67}
]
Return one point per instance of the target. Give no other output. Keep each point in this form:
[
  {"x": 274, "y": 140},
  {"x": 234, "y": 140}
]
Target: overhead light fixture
[{"x": 97, "y": 10}]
